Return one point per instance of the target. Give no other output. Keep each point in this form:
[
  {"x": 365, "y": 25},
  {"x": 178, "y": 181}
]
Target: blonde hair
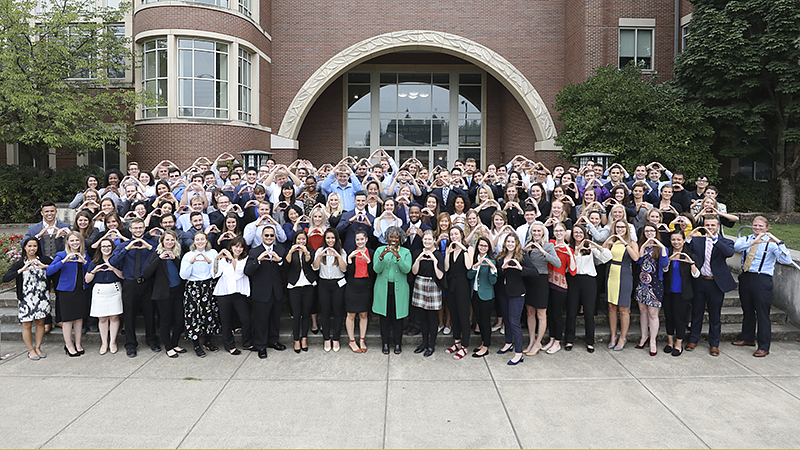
[
  {"x": 545, "y": 233},
  {"x": 488, "y": 191},
  {"x": 517, "y": 248},
  {"x": 176, "y": 249},
  {"x": 338, "y": 210},
  {"x": 193, "y": 247},
  {"x": 78, "y": 235}
]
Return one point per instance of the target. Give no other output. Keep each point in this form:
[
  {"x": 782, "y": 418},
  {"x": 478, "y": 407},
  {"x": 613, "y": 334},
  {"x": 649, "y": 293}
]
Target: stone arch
[{"x": 459, "y": 46}]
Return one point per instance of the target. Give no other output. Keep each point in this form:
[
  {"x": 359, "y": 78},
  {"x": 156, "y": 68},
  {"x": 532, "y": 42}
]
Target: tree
[
  {"x": 623, "y": 112},
  {"x": 741, "y": 64},
  {"x": 55, "y": 85}
]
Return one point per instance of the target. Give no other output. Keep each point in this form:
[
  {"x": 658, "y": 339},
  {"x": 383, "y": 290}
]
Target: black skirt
[
  {"x": 73, "y": 305},
  {"x": 537, "y": 291},
  {"x": 358, "y": 295}
]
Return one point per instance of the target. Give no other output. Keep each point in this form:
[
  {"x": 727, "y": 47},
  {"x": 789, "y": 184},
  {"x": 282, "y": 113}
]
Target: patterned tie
[
  {"x": 706, "y": 270},
  {"x": 445, "y": 193},
  {"x": 751, "y": 255}
]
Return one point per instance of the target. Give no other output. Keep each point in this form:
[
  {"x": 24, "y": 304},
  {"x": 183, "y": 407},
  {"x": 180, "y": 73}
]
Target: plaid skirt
[{"x": 427, "y": 294}]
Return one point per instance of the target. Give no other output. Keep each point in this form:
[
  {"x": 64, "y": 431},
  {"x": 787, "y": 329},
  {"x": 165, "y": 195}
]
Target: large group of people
[{"x": 215, "y": 249}]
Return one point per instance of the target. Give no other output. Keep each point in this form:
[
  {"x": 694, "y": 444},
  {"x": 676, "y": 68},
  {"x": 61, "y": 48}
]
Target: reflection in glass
[
  {"x": 388, "y": 132},
  {"x": 358, "y": 132},
  {"x": 358, "y": 98}
]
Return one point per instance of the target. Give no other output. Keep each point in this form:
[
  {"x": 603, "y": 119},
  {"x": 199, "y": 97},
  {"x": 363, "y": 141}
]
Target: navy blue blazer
[
  {"x": 347, "y": 230},
  {"x": 720, "y": 252}
]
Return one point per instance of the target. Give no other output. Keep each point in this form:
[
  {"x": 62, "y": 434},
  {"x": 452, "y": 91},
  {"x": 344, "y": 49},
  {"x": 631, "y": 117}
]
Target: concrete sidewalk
[{"x": 346, "y": 400}]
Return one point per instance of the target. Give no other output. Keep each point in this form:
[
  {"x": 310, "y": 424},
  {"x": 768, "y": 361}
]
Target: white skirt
[{"x": 106, "y": 299}]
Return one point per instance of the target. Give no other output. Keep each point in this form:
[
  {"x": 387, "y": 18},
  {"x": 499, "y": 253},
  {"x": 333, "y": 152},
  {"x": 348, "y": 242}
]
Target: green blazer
[
  {"x": 391, "y": 270},
  {"x": 486, "y": 280}
]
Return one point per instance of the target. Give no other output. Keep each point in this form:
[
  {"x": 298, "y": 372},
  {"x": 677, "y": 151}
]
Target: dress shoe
[
  {"x": 41, "y": 354},
  {"x": 398, "y": 349},
  {"x": 198, "y": 350},
  {"x": 315, "y": 330},
  {"x": 741, "y": 343},
  {"x": 155, "y": 348},
  {"x": 81, "y": 351},
  {"x": 420, "y": 349},
  {"x": 71, "y": 355},
  {"x": 590, "y": 348},
  {"x": 668, "y": 349},
  {"x": 714, "y": 351},
  {"x": 690, "y": 346},
  {"x": 173, "y": 355},
  {"x": 177, "y": 349},
  {"x": 411, "y": 331},
  {"x": 236, "y": 351},
  {"x": 480, "y": 355},
  {"x": 646, "y": 342},
  {"x": 761, "y": 353},
  {"x": 131, "y": 353},
  {"x": 428, "y": 352},
  {"x": 512, "y": 363},
  {"x": 505, "y": 349},
  {"x": 677, "y": 352},
  {"x": 211, "y": 347},
  {"x": 262, "y": 354},
  {"x": 251, "y": 348},
  {"x": 277, "y": 346},
  {"x": 653, "y": 353},
  {"x": 385, "y": 349}
]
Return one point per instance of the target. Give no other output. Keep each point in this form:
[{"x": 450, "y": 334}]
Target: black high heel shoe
[
  {"x": 385, "y": 349},
  {"x": 71, "y": 355}
]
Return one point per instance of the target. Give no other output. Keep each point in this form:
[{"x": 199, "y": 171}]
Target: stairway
[{"x": 11, "y": 329}]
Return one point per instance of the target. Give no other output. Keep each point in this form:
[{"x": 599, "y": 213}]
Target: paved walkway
[{"x": 344, "y": 400}]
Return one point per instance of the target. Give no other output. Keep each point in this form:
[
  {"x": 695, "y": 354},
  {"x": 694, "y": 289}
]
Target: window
[
  {"x": 245, "y": 8},
  {"x": 755, "y": 168},
  {"x": 245, "y": 86},
  {"x": 358, "y": 115},
  {"x": 119, "y": 33},
  {"x": 469, "y": 116},
  {"x": 154, "y": 76},
  {"x": 84, "y": 65},
  {"x": 107, "y": 157},
  {"x": 684, "y": 36},
  {"x": 202, "y": 78},
  {"x": 636, "y": 44},
  {"x": 223, "y": 3},
  {"x": 27, "y": 155}
]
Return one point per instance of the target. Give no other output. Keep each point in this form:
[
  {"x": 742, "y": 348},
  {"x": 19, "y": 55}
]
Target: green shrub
[
  {"x": 740, "y": 194},
  {"x": 23, "y": 189}
]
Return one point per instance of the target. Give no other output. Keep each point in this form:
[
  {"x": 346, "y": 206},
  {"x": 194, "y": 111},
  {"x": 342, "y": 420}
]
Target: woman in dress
[
  {"x": 582, "y": 285},
  {"x": 458, "y": 260},
  {"x": 669, "y": 208},
  {"x": 358, "y": 291},
  {"x": 201, "y": 313},
  {"x": 542, "y": 255},
  {"x": 391, "y": 298},
  {"x": 484, "y": 276},
  {"x": 653, "y": 260},
  {"x": 512, "y": 267},
  {"x": 331, "y": 262},
  {"x": 427, "y": 297},
  {"x": 486, "y": 204},
  {"x": 513, "y": 206},
  {"x": 72, "y": 301},
  {"x": 301, "y": 281},
  {"x": 106, "y": 295},
  {"x": 619, "y": 281},
  {"x": 232, "y": 291},
  {"x": 168, "y": 290},
  {"x": 32, "y": 293}
]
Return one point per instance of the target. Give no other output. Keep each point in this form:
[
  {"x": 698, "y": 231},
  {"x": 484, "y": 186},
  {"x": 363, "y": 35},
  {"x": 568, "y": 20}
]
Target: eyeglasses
[
  {"x": 702, "y": 180},
  {"x": 269, "y": 235}
]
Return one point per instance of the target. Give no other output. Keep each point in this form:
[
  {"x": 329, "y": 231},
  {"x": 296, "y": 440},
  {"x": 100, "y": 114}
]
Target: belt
[{"x": 707, "y": 278}]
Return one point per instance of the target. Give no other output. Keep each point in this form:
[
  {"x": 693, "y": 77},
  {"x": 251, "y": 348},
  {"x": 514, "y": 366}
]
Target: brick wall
[
  {"x": 321, "y": 137},
  {"x": 182, "y": 143}
]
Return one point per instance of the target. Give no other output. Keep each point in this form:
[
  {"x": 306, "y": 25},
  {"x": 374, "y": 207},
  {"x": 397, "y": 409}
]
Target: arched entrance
[{"x": 464, "y": 48}]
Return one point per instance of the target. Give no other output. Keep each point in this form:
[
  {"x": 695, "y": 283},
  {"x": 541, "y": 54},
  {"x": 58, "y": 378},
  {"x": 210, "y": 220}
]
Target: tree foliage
[
  {"x": 741, "y": 64},
  {"x": 620, "y": 111},
  {"x": 55, "y": 89}
]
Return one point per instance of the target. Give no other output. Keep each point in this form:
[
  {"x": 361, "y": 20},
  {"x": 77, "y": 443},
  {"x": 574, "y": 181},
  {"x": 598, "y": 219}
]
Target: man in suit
[
  {"x": 470, "y": 167},
  {"x": 264, "y": 266},
  {"x": 351, "y": 221},
  {"x": 49, "y": 232},
  {"x": 710, "y": 253},
  {"x": 417, "y": 227},
  {"x": 136, "y": 290},
  {"x": 446, "y": 191},
  {"x": 760, "y": 251}
]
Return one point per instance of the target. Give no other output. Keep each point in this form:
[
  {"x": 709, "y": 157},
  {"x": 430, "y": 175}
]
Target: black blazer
[
  {"x": 686, "y": 276},
  {"x": 417, "y": 244},
  {"x": 12, "y": 274},
  {"x": 156, "y": 270},
  {"x": 454, "y": 192},
  {"x": 266, "y": 277},
  {"x": 511, "y": 280},
  {"x": 294, "y": 268}
]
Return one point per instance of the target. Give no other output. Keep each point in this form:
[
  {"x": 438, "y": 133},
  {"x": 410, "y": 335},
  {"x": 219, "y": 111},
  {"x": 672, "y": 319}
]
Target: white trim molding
[
  {"x": 686, "y": 19},
  {"x": 451, "y": 44},
  {"x": 637, "y": 23}
]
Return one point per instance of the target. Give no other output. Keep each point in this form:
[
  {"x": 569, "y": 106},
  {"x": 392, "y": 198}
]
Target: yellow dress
[{"x": 620, "y": 278}]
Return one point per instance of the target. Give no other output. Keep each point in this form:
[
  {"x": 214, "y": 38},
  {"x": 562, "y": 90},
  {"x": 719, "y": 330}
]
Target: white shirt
[{"x": 231, "y": 280}]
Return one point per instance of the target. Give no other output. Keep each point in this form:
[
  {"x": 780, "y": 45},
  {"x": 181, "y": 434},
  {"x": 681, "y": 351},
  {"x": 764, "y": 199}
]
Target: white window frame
[
  {"x": 12, "y": 155},
  {"x": 245, "y": 85},
  {"x": 220, "y": 85},
  {"x": 156, "y": 111}
]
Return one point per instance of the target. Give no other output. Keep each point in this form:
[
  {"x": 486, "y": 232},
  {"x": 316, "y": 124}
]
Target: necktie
[
  {"x": 445, "y": 193},
  {"x": 751, "y": 255},
  {"x": 706, "y": 271},
  {"x": 137, "y": 270}
]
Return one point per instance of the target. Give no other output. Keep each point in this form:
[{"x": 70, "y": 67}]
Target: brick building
[{"x": 436, "y": 79}]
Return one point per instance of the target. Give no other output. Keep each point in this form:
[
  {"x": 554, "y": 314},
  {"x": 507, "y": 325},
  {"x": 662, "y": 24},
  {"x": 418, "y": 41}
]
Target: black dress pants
[
  {"x": 263, "y": 322},
  {"x": 675, "y": 309},
  {"x": 555, "y": 313},
  {"x": 135, "y": 298},
  {"x": 582, "y": 291},
  {"x": 390, "y": 323},
  {"x": 331, "y": 298},
  {"x": 232, "y": 307},
  {"x": 301, "y": 298},
  {"x": 429, "y": 325},
  {"x": 482, "y": 309},
  {"x": 458, "y": 300},
  {"x": 755, "y": 291},
  {"x": 170, "y": 317}
]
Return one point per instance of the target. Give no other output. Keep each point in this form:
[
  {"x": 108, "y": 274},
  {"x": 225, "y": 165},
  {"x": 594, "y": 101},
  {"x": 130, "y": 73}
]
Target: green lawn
[{"x": 790, "y": 233}]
